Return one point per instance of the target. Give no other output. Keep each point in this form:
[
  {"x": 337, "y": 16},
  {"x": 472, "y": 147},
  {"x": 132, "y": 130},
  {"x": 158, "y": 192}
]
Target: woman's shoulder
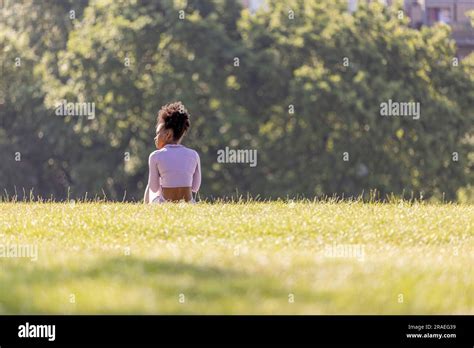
[
  {"x": 194, "y": 152},
  {"x": 155, "y": 155}
]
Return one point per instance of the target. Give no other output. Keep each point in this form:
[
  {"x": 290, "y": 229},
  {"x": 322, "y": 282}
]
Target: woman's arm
[
  {"x": 146, "y": 199},
  {"x": 153, "y": 178},
  {"x": 197, "y": 175}
]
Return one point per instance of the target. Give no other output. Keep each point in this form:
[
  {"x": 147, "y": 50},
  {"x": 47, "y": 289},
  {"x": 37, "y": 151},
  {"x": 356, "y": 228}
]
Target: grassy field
[{"x": 240, "y": 258}]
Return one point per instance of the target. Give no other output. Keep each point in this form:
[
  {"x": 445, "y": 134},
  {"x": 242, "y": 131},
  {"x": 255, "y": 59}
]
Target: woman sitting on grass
[{"x": 174, "y": 170}]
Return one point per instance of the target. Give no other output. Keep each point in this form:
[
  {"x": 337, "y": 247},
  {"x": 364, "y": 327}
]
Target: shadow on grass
[{"x": 204, "y": 285}]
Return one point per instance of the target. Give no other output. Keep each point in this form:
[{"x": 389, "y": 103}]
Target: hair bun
[{"x": 175, "y": 117}]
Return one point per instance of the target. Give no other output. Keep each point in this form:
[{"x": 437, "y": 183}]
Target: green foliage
[
  {"x": 36, "y": 151},
  {"x": 283, "y": 61},
  {"x": 337, "y": 107}
]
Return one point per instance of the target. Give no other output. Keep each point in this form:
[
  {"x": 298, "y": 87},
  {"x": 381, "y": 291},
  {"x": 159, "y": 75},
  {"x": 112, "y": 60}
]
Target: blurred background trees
[{"x": 299, "y": 81}]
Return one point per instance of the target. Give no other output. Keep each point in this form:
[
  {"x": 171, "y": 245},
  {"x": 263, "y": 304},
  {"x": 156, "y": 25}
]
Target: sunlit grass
[{"x": 245, "y": 258}]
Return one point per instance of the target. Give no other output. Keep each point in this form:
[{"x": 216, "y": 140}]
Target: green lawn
[{"x": 241, "y": 258}]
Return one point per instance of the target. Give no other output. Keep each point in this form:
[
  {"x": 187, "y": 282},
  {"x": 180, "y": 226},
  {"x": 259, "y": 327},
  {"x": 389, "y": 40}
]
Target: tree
[
  {"x": 301, "y": 82},
  {"x": 35, "y": 149},
  {"x": 338, "y": 69}
]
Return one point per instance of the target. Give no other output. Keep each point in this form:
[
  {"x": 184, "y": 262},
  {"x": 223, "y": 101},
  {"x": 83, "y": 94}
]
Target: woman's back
[
  {"x": 174, "y": 170},
  {"x": 177, "y": 166}
]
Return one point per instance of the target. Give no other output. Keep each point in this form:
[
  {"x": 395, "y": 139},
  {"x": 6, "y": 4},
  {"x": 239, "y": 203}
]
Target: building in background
[
  {"x": 453, "y": 13},
  {"x": 416, "y": 11},
  {"x": 424, "y": 12},
  {"x": 429, "y": 12}
]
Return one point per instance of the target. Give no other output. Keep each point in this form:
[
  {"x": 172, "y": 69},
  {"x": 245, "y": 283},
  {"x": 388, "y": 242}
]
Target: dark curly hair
[{"x": 175, "y": 117}]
